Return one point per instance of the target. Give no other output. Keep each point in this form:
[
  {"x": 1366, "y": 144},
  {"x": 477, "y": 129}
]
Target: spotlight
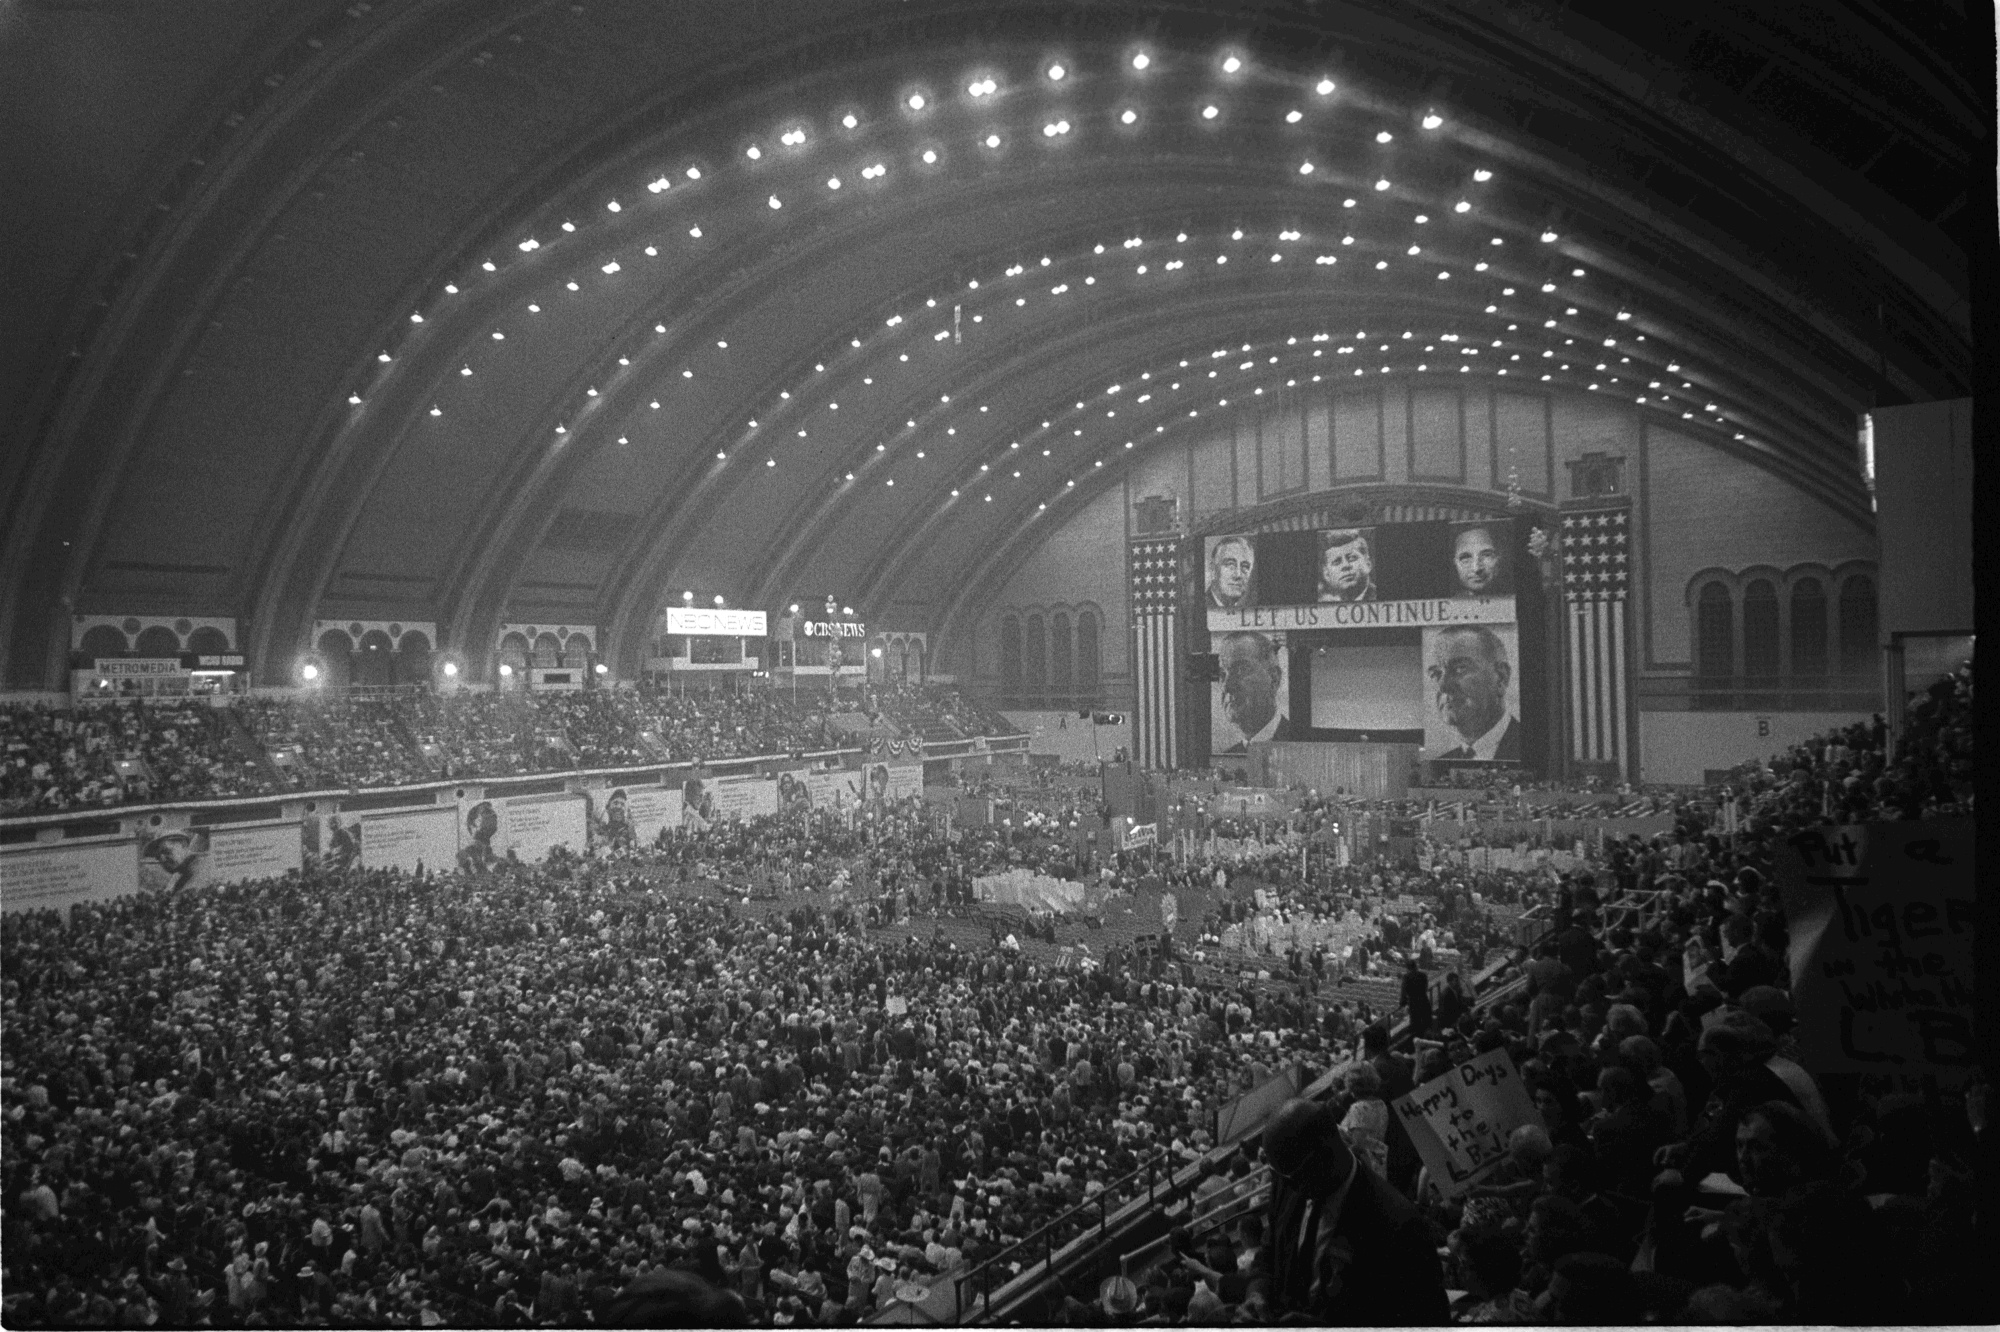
[
  {"x": 506, "y": 671},
  {"x": 309, "y": 673},
  {"x": 602, "y": 669},
  {"x": 688, "y": 597},
  {"x": 718, "y": 600},
  {"x": 450, "y": 668}
]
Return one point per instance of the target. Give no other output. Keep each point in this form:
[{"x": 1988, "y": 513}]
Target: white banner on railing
[
  {"x": 185, "y": 858},
  {"x": 406, "y": 838},
  {"x": 42, "y": 876}
]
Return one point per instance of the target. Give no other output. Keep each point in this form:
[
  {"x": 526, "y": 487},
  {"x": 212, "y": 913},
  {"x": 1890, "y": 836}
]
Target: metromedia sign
[
  {"x": 834, "y": 629},
  {"x": 697, "y": 623}
]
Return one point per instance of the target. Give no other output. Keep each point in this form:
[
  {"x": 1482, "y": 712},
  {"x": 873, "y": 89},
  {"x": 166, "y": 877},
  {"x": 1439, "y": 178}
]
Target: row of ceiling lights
[{"x": 796, "y": 137}]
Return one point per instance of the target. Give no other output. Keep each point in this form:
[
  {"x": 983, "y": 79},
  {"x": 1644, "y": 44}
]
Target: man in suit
[
  {"x": 1232, "y": 571},
  {"x": 1478, "y": 564},
  {"x": 1469, "y": 674},
  {"x": 1345, "y": 1248},
  {"x": 1253, "y": 681},
  {"x": 1346, "y": 566}
]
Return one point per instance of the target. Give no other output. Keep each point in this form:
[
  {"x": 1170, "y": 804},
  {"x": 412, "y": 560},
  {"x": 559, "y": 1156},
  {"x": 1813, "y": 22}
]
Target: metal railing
[
  {"x": 1162, "y": 1184},
  {"x": 1860, "y": 692}
]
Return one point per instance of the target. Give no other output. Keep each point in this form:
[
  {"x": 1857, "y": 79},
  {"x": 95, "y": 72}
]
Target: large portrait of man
[
  {"x": 1346, "y": 565},
  {"x": 697, "y": 805},
  {"x": 616, "y": 832},
  {"x": 1232, "y": 572},
  {"x": 173, "y": 860},
  {"x": 482, "y": 825},
  {"x": 1475, "y": 695},
  {"x": 1252, "y": 700},
  {"x": 1479, "y": 563}
]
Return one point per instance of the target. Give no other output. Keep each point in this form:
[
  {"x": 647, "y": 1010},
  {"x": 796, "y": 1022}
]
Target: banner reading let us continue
[{"x": 1881, "y": 921}]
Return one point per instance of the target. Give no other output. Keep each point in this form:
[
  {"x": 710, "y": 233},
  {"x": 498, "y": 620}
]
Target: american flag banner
[
  {"x": 1597, "y": 572},
  {"x": 1154, "y": 564}
]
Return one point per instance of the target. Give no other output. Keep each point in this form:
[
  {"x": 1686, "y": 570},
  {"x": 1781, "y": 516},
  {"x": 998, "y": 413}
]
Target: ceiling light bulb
[
  {"x": 1433, "y": 120},
  {"x": 1056, "y": 72},
  {"x": 916, "y": 101},
  {"x": 1381, "y": 184},
  {"x": 1548, "y": 236},
  {"x": 1231, "y": 65},
  {"x": 1383, "y": 136},
  {"x": 930, "y": 157},
  {"x": 1209, "y": 113},
  {"x": 1129, "y": 116},
  {"x": 1482, "y": 175},
  {"x": 1141, "y": 60},
  {"x": 1305, "y": 168},
  {"x": 849, "y": 121},
  {"x": 1324, "y": 87},
  {"x": 1461, "y": 207}
]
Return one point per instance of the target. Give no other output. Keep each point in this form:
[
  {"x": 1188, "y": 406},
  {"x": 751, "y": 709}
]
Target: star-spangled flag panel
[
  {"x": 1596, "y": 554},
  {"x": 1154, "y": 568},
  {"x": 1597, "y": 576}
]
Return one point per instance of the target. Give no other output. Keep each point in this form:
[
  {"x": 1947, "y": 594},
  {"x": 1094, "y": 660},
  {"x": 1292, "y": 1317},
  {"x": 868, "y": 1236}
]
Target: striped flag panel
[
  {"x": 1597, "y": 576},
  {"x": 1154, "y": 567}
]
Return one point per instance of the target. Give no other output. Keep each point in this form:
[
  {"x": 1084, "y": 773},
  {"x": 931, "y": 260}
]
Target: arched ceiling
[{"x": 474, "y": 312}]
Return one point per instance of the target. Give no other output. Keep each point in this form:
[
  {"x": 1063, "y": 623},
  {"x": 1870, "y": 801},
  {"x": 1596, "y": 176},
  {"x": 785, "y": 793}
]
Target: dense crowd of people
[
  {"x": 934, "y": 713},
  {"x": 1687, "y": 1167},
  {"x": 364, "y": 1097},
  {"x": 767, "y": 1068},
  {"x": 56, "y": 759}
]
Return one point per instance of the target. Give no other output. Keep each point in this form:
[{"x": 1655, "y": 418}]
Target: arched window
[
  {"x": 335, "y": 651},
  {"x": 208, "y": 639},
  {"x": 1035, "y": 656},
  {"x": 158, "y": 641},
  {"x": 514, "y": 655},
  {"x": 1010, "y": 656},
  {"x": 102, "y": 640},
  {"x": 548, "y": 652},
  {"x": 1760, "y": 630},
  {"x": 1858, "y": 655},
  {"x": 1062, "y": 657},
  {"x": 576, "y": 652},
  {"x": 1808, "y": 627},
  {"x": 1087, "y": 665},
  {"x": 413, "y": 657},
  {"x": 375, "y": 660},
  {"x": 1714, "y": 635}
]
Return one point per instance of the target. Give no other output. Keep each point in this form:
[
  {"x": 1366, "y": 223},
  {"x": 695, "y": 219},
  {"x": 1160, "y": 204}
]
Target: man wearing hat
[{"x": 1345, "y": 1247}]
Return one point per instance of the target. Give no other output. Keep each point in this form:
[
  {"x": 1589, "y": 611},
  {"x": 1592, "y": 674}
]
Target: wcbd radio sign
[{"x": 835, "y": 629}]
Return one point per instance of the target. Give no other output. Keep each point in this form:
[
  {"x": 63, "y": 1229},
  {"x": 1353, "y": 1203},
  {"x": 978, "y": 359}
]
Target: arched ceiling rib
[{"x": 740, "y": 338}]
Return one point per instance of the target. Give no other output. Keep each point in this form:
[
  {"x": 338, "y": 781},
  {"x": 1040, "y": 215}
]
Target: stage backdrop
[{"x": 1421, "y": 634}]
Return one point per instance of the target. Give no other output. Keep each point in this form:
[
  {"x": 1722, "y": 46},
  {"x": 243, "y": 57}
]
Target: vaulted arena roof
[{"x": 502, "y": 310}]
